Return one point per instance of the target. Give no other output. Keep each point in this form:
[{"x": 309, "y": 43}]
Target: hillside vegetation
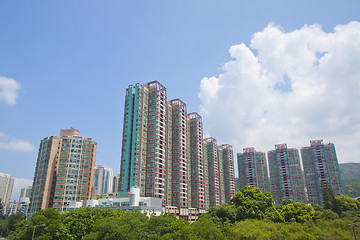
[
  {"x": 350, "y": 175},
  {"x": 349, "y": 171}
]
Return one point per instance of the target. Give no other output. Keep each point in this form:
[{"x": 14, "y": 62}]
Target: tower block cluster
[
  {"x": 165, "y": 155},
  {"x": 287, "y": 180}
]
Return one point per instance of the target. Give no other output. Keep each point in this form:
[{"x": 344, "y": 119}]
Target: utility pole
[{"x": 33, "y": 234}]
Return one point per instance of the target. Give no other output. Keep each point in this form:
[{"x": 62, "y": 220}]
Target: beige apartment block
[{"x": 64, "y": 171}]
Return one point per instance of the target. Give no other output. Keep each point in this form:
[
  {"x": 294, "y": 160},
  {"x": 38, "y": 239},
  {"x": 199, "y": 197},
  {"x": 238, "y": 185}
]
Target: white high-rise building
[
  {"x": 6, "y": 187},
  {"x": 103, "y": 180},
  {"x": 109, "y": 180}
]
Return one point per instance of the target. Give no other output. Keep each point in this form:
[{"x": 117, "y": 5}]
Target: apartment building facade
[
  {"x": 321, "y": 169},
  {"x": 252, "y": 169},
  {"x": 227, "y": 174},
  {"x": 198, "y": 175},
  {"x": 285, "y": 174},
  {"x": 6, "y": 188},
  {"x": 64, "y": 171},
  {"x": 213, "y": 183}
]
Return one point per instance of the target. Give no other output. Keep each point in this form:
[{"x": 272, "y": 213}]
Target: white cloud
[
  {"x": 299, "y": 86},
  {"x": 9, "y": 90},
  {"x": 19, "y": 183},
  {"x": 15, "y": 144}
]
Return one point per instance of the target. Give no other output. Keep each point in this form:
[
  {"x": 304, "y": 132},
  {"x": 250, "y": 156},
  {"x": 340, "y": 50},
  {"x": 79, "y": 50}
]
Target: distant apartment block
[
  {"x": 99, "y": 176},
  {"x": 285, "y": 174},
  {"x": 64, "y": 171},
  {"x": 321, "y": 168},
  {"x": 109, "y": 181},
  {"x": 221, "y": 175},
  {"x": 212, "y": 160},
  {"x": 180, "y": 160},
  {"x": 6, "y": 188},
  {"x": 198, "y": 175},
  {"x": 103, "y": 180},
  {"x": 253, "y": 169},
  {"x": 25, "y": 192},
  {"x": 116, "y": 183},
  {"x": 227, "y": 174}
]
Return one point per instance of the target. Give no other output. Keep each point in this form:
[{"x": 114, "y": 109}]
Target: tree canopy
[
  {"x": 251, "y": 203},
  {"x": 250, "y": 214}
]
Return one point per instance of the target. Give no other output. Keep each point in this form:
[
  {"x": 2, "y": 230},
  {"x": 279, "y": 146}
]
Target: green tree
[
  {"x": 181, "y": 229},
  {"x": 317, "y": 207},
  {"x": 132, "y": 225},
  {"x": 348, "y": 207},
  {"x": 79, "y": 222},
  {"x": 286, "y": 202},
  {"x": 70, "y": 225},
  {"x": 24, "y": 229},
  {"x": 223, "y": 213},
  {"x": 13, "y": 219},
  {"x": 2, "y": 216},
  {"x": 344, "y": 206},
  {"x": 161, "y": 225},
  {"x": 265, "y": 229},
  {"x": 326, "y": 214},
  {"x": 327, "y": 192},
  {"x": 206, "y": 229},
  {"x": 297, "y": 212},
  {"x": 330, "y": 202},
  {"x": 251, "y": 203},
  {"x": 348, "y": 204}
]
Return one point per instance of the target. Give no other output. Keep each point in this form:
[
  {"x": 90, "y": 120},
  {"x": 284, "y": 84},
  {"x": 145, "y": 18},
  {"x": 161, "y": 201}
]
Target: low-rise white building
[{"x": 148, "y": 205}]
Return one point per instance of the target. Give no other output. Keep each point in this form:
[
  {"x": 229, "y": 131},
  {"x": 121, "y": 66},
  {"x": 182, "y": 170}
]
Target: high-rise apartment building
[
  {"x": 157, "y": 146},
  {"x": 116, "y": 183},
  {"x": 42, "y": 189},
  {"x": 134, "y": 141},
  {"x": 253, "y": 169},
  {"x": 103, "y": 180},
  {"x": 163, "y": 152},
  {"x": 25, "y": 193},
  {"x": 226, "y": 170},
  {"x": 6, "y": 187},
  {"x": 99, "y": 176},
  {"x": 64, "y": 171},
  {"x": 180, "y": 160},
  {"x": 145, "y": 148},
  {"x": 213, "y": 183},
  {"x": 321, "y": 168},
  {"x": 221, "y": 176},
  {"x": 109, "y": 180},
  {"x": 198, "y": 197},
  {"x": 285, "y": 174}
]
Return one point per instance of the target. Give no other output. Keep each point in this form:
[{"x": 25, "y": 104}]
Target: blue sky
[{"x": 70, "y": 62}]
